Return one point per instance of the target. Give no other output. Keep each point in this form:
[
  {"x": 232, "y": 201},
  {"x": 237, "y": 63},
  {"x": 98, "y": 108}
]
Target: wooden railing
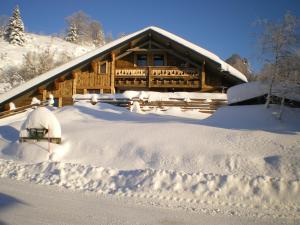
[
  {"x": 164, "y": 76},
  {"x": 173, "y": 71},
  {"x": 161, "y": 71},
  {"x": 20, "y": 109},
  {"x": 132, "y": 72}
]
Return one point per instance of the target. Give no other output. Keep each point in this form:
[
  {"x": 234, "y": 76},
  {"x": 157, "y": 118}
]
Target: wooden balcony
[{"x": 157, "y": 77}]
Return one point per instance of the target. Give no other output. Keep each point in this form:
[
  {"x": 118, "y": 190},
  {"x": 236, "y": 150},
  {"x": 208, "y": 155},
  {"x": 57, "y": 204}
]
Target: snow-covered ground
[
  {"x": 241, "y": 160},
  {"x": 26, "y": 203}
]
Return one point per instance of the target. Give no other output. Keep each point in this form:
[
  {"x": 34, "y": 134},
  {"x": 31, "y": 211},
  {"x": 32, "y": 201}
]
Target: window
[
  {"x": 103, "y": 68},
  {"x": 158, "y": 60},
  {"x": 141, "y": 60}
]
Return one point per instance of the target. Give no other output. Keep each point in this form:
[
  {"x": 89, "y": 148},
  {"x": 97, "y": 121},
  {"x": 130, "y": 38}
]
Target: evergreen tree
[
  {"x": 72, "y": 34},
  {"x": 14, "y": 33}
]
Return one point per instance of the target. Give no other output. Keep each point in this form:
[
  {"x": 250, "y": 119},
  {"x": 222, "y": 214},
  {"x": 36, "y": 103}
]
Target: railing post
[{"x": 149, "y": 76}]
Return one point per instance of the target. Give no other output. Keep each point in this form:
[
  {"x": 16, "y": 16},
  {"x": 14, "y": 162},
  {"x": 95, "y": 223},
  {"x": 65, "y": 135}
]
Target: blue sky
[{"x": 221, "y": 26}]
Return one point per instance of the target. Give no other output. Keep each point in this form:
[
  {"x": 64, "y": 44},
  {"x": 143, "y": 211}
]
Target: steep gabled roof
[{"x": 60, "y": 69}]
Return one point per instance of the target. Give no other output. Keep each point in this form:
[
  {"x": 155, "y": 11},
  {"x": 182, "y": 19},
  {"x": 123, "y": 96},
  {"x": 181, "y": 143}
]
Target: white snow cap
[
  {"x": 40, "y": 118},
  {"x": 12, "y": 106},
  {"x": 35, "y": 101}
]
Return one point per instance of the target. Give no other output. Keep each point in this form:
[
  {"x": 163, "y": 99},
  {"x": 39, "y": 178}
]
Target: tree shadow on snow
[
  {"x": 250, "y": 120},
  {"x": 246, "y": 119},
  {"x": 6, "y": 202},
  {"x": 9, "y": 133},
  {"x": 121, "y": 114}
]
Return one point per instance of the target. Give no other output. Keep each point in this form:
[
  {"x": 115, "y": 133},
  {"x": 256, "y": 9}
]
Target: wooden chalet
[{"x": 149, "y": 59}]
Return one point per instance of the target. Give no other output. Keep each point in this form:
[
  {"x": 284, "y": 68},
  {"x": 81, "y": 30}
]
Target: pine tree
[
  {"x": 14, "y": 33},
  {"x": 72, "y": 34}
]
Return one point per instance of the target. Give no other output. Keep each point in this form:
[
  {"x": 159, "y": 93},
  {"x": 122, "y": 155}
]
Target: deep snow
[{"x": 241, "y": 156}]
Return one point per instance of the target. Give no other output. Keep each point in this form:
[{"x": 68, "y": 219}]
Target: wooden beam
[
  {"x": 74, "y": 82},
  {"x": 129, "y": 52},
  {"x": 172, "y": 52},
  {"x": 113, "y": 71},
  {"x": 44, "y": 95},
  {"x": 203, "y": 76},
  {"x": 94, "y": 66},
  {"x": 60, "y": 102},
  {"x": 147, "y": 50}
]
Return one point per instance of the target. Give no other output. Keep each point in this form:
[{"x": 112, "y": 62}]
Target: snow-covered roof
[
  {"x": 250, "y": 90},
  {"x": 60, "y": 69}
]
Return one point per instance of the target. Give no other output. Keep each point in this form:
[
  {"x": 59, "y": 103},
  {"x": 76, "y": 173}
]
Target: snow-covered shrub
[
  {"x": 94, "y": 99},
  {"x": 11, "y": 76},
  {"x": 136, "y": 107},
  {"x": 37, "y": 63},
  {"x": 187, "y": 99},
  {"x": 14, "y": 32}
]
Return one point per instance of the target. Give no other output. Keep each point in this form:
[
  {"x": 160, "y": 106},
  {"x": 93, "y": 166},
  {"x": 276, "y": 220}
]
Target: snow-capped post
[
  {"x": 94, "y": 99},
  {"x": 14, "y": 32},
  {"x": 51, "y": 100},
  {"x": 35, "y": 101},
  {"x": 41, "y": 125},
  {"x": 12, "y": 106}
]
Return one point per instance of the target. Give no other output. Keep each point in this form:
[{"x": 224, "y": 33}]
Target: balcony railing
[
  {"x": 151, "y": 76},
  {"x": 162, "y": 71}
]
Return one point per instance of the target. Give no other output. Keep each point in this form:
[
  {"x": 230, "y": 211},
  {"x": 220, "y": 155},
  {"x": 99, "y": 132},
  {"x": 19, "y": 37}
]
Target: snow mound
[
  {"x": 40, "y": 118},
  {"x": 244, "y": 191}
]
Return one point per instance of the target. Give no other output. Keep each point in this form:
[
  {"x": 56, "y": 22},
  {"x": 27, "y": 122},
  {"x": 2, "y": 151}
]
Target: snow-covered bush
[
  {"x": 12, "y": 77},
  {"x": 37, "y": 63},
  {"x": 136, "y": 107},
  {"x": 14, "y": 32},
  {"x": 94, "y": 99}
]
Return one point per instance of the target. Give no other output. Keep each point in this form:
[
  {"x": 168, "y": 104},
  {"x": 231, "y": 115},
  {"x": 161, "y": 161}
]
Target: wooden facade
[{"x": 149, "y": 61}]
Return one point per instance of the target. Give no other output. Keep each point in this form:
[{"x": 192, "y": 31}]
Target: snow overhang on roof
[{"x": 60, "y": 69}]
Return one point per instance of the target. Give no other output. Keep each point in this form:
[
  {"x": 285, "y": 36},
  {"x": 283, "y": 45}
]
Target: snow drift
[{"x": 241, "y": 155}]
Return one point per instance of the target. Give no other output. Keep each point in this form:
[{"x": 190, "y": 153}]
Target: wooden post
[
  {"x": 59, "y": 101},
  {"x": 74, "y": 83},
  {"x": 94, "y": 66},
  {"x": 112, "y": 75},
  {"x": 203, "y": 85},
  {"x": 149, "y": 77},
  {"x": 85, "y": 91},
  {"x": 44, "y": 95}
]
